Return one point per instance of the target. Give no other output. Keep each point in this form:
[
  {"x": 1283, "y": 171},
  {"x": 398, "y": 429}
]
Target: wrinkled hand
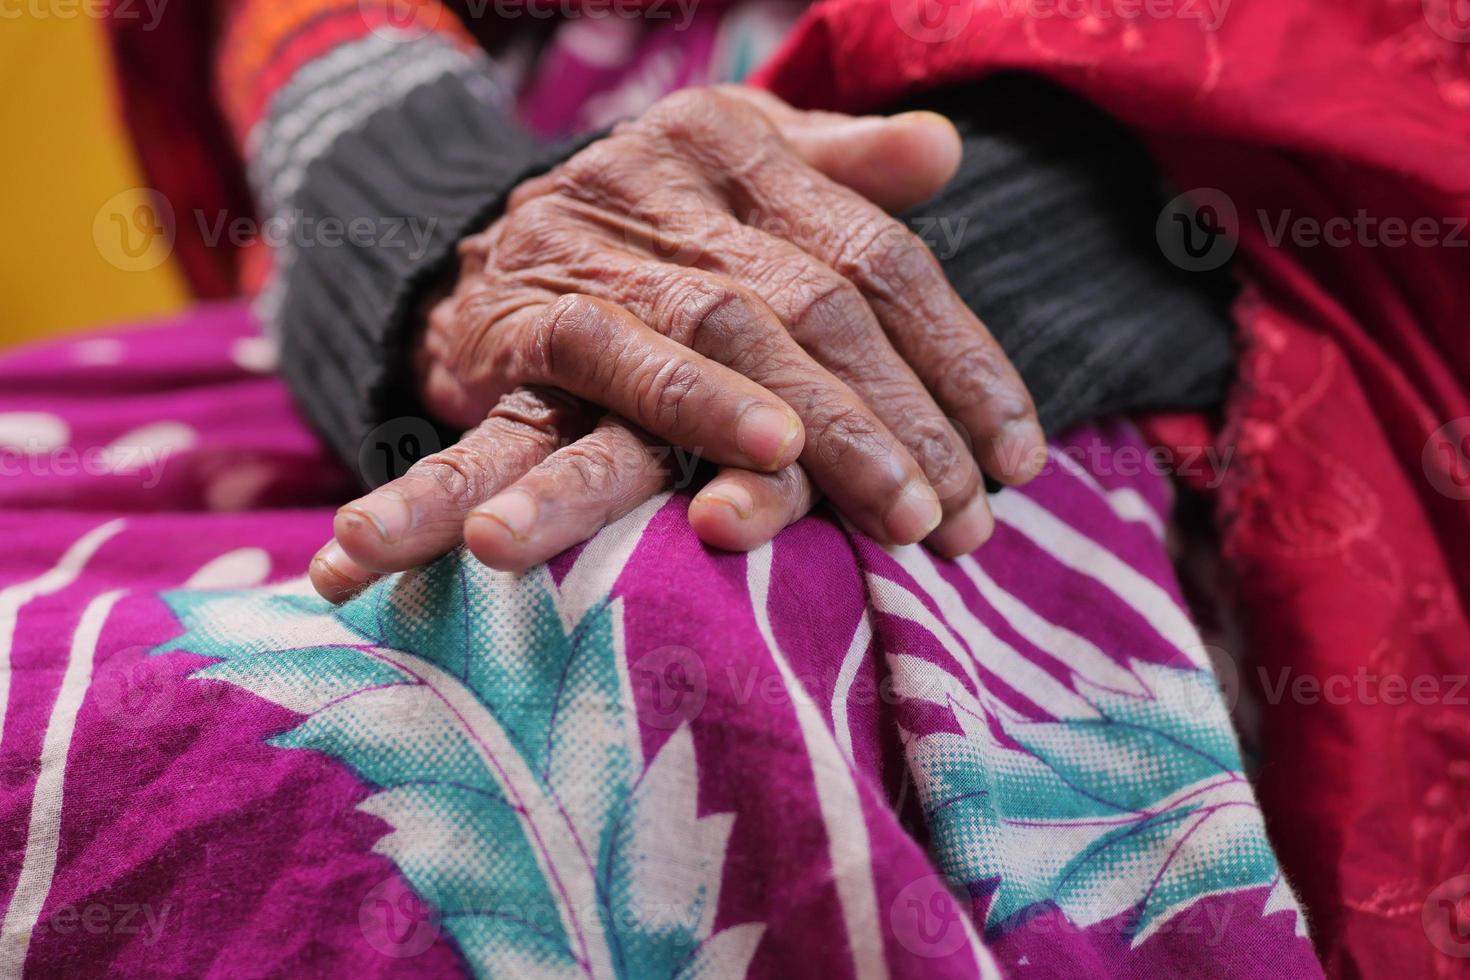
[{"x": 718, "y": 275}]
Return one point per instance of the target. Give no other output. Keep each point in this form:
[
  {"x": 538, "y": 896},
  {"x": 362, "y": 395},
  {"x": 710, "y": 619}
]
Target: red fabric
[
  {"x": 163, "y": 71},
  {"x": 1341, "y": 513},
  {"x": 193, "y": 79}
]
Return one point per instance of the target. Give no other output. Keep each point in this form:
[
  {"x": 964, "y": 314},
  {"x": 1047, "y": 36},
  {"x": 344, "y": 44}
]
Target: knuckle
[
  {"x": 592, "y": 464},
  {"x": 843, "y": 433},
  {"x": 705, "y": 116},
  {"x": 567, "y": 330},
  {"x": 886, "y": 258},
  {"x": 535, "y": 215},
  {"x": 682, "y": 112},
  {"x": 829, "y": 309},
  {"x": 794, "y": 488},
  {"x": 669, "y": 393},
  {"x": 536, "y": 233},
  {"x": 978, "y": 375},
  {"x": 548, "y": 241},
  {"x": 478, "y": 247},
  {"x": 942, "y": 453},
  {"x": 934, "y": 442},
  {"x": 540, "y": 416},
  {"x": 468, "y": 323},
  {"x": 445, "y": 320},
  {"x": 598, "y": 165},
  {"x": 459, "y": 474},
  {"x": 701, "y": 311}
]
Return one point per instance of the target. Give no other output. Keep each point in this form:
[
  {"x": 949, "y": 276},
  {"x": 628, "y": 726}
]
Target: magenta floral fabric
[{"x": 646, "y": 759}]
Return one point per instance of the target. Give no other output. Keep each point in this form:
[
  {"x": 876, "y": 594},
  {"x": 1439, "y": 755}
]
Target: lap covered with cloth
[{"x": 642, "y": 759}]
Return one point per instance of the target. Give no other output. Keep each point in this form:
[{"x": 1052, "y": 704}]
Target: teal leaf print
[
  {"x": 1139, "y": 811},
  {"x": 496, "y": 722}
]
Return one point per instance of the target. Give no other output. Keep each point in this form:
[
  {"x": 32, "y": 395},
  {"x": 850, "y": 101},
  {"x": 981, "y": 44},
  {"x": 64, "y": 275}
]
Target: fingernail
[
  {"x": 344, "y": 575},
  {"x": 734, "y": 496},
  {"x": 925, "y": 117},
  {"x": 914, "y": 514},
  {"x": 765, "y": 434},
  {"x": 513, "y": 510},
  {"x": 386, "y": 511},
  {"x": 333, "y": 557},
  {"x": 966, "y": 530}
]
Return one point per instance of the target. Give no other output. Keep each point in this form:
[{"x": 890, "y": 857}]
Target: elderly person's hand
[{"x": 718, "y": 275}]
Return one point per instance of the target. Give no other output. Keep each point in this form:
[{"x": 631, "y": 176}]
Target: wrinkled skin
[{"x": 719, "y": 275}]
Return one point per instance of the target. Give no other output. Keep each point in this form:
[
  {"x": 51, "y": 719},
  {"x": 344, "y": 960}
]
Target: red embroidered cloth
[{"x": 1333, "y": 132}]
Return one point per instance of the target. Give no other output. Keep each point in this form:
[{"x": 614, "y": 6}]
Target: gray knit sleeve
[
  {"x": 1046, "y": 232},
  {"x": 415, "y": 178}
]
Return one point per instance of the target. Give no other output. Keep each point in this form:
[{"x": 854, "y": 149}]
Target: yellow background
[{"x": 65, "y": 156}]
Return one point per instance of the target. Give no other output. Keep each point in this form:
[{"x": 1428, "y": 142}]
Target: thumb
[{"x": 894, "y": 161}]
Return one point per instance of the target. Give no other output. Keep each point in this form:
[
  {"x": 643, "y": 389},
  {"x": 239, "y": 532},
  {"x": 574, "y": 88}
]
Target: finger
[
  {"x": 831, "y": 318},
  {"x": 420, "y": 516},
  {"x": 601, "y": 352},
  {"x": 567, "y": 498},
  {"x": 739, "y": 510},
  {"x": 929, "y": 325},
  {"x": 828, "y": 317},
  {"x": 849, "y": 452},
  {"x": 336, "y": 577},
  {"x": 896, "y": 162},
  {"x": 690, "y": 225},
  {"x": 682, "y": 220}
]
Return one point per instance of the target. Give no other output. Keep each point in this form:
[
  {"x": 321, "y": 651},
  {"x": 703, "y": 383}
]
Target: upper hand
[{"x": 702, "y": 274}]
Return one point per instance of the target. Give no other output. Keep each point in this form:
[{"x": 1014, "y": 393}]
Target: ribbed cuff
[{"x": 377, "y": 219}]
